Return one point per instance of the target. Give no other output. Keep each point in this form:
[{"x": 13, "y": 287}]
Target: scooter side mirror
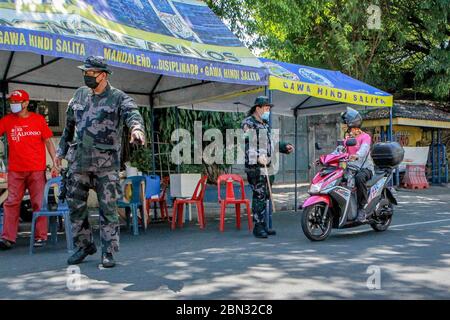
[
  {"x": 317, "y": 146},
  {"x": 351, "y": 142}
]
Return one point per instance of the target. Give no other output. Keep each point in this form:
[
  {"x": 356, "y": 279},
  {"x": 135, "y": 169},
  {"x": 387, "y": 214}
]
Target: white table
[{"x": 182, "y": 186}]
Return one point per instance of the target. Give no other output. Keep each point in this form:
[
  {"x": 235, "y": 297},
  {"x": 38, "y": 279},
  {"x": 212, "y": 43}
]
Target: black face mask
[{"x": 91, "y": 81}]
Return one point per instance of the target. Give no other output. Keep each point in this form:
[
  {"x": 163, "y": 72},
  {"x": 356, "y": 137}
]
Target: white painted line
[
  {"x": 400, "y": 225},
  {"x": 419, "y": 223}
]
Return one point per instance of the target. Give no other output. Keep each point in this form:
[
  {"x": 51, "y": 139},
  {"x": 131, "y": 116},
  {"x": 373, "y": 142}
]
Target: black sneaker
[
  {"x": 81, "y": 254},
  {"x": 39, "y": 243},
  {"x": 258, "y": 231},
  {"x": 269, "y": 232},
  {"x": 6, "y": 244},
  {"x": 108, "y": 260}
]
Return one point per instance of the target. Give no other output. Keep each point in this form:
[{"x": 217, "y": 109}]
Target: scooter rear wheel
[
  {"x": 313, "y": 219},
  {"x": 384, "y": 221}
]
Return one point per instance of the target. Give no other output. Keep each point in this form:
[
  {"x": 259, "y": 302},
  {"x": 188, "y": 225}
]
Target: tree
[{"x": 410, "y": 49}]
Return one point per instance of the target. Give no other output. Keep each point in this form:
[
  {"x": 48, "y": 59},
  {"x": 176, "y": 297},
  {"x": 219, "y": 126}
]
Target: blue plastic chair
[
  {"x": 152, "y": 188},
  {"x": 135, "y": 200},
  {"x": 61, "y": 211}
]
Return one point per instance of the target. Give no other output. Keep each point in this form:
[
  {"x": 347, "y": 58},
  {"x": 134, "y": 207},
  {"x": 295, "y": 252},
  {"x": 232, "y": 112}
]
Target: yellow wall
[{"x": 405, "y": 135}]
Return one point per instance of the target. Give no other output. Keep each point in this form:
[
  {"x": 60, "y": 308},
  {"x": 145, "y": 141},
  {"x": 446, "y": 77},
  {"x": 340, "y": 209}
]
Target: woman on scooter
[{"x": 360, "y": 156}]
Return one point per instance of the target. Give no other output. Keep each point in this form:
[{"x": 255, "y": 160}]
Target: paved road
[{"x": 413, "y": 257}]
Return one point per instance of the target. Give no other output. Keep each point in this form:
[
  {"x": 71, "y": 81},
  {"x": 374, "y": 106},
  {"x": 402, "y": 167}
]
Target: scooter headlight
[{"x": 315, "y": 188}]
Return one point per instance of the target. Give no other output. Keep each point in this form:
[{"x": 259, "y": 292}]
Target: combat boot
[
  {"x": 258, "y": 230},
  {"x": 82, "y": 253},
  {"x": 108, "y": 260},
  {"x": 269, "y": 232}
]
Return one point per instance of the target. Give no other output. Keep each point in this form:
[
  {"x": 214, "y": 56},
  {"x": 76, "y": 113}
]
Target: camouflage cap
[
  {"x": 95, "y": 63},
  {"x": 262, "y": 101}
]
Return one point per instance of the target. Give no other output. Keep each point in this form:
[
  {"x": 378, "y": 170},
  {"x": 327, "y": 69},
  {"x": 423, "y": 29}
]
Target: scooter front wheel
[{"x": 316, "y": 223}]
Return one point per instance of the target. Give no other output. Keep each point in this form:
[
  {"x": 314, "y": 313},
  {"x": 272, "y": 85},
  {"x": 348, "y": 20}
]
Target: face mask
[
  {"x": 16, "y": 107},
  {"x": 91, "y": 81},
  {"x": 266, "y": 116}
]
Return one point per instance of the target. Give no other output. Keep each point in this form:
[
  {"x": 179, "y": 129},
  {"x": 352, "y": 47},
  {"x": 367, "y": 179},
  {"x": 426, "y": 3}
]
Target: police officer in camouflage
[
  {"x": 259, "y": 148},
  {"x": 91, "y": 143}
]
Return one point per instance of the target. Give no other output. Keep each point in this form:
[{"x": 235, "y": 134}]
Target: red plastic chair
[
  {"x": 161, "y": 200},
  {"x": 197, "y": 199},
  {"x": 231, "y": 199}
]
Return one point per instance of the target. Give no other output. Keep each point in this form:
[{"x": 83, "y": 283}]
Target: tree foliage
[{"x": 410, "y": 50}]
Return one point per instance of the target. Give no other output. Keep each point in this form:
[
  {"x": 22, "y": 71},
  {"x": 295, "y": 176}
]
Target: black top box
[{"x": 387, "y": 154}]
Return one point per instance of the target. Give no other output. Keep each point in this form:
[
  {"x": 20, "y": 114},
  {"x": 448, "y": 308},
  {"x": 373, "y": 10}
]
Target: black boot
[
  {"x": 6, "y": 244},
  {"x": 108, "y": 260},
  {"x": 258, "y": 230},
  {"x": 82, "y": 253},
  {"x": 269, "y": 232}
]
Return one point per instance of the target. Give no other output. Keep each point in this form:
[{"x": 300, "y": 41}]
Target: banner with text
[
  {"x": 181, "y": 38},
  {"x": 325, "y": 84}
]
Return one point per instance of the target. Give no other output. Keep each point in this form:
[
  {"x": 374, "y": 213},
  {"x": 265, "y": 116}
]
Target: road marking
[
  {"x": 418, "y": 223},
  {"x": 400, "y": 225}
]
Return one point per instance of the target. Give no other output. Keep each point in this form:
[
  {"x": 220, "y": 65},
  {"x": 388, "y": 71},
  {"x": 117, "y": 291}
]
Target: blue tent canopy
[
  {"x": 306, "y": 90},
  {"x": 324, "y": 84},
  {"x": 158, "y": 48}
]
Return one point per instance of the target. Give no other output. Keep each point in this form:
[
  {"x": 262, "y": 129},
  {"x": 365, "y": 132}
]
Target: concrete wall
[{"x": 325, "y": 130}]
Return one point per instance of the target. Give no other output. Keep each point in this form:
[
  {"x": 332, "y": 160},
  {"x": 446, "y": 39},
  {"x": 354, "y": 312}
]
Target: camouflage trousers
[
  {"x": 258, "y": 183},
  {"x": 106, "y": 186}
]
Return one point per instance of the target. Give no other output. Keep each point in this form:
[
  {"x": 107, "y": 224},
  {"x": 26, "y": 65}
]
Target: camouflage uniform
[
  {"x": 91, "y": 143},
  {"x": 255, "y": 172}
]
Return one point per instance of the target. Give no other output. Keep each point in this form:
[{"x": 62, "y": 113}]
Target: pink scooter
[{"x": 333, "y": 203}]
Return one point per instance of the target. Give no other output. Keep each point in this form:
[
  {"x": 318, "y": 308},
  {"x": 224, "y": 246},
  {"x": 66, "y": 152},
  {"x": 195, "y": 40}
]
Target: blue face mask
[
  {"x": 266, "y": 116},
  {"x": 16, "y": 107}
]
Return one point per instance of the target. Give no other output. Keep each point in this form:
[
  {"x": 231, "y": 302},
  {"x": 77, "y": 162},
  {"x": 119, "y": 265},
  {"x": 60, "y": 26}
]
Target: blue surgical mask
[
  {"x": 266, "y": 116},
  {"x": 16, "y": 107}
]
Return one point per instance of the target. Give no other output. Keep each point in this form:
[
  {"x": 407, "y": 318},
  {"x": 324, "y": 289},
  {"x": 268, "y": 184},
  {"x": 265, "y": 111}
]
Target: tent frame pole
[
  {"x": 152, "y": 133},
  {"x": 183, "y": 87},
  {"x": 42, "y": 65},
  {"x": 4, "y": 87},
  {"x": 46, "y": 85},
  {"x": 152, "y": 121},
  {"x": 296, "y": 110},
  {"x": 439, "y": 147},
  {"x": 325, "y": 105},
  {"x": 391, "y": 138},
  {"x": 8, "y": 66},
  {"x": 390, "y": 125},
  {"x": 268, "y": 92},
  {"x": 177, "y": 124},
  {"x": 295, "y": 160}
]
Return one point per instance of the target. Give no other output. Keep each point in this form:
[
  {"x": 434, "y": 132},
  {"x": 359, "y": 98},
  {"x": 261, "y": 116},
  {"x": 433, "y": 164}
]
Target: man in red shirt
[{"x": 28, "y": 134}]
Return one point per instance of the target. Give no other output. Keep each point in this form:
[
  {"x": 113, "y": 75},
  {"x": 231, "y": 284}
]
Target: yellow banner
[{"x": 333, "y": 94}]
